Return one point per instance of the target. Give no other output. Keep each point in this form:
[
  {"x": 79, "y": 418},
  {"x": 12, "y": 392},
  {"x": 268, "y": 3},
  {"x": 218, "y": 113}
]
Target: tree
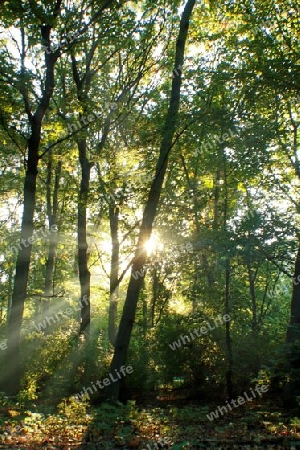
[
  {"x": 135, "y": 283},
  {"x": 52, "y": 215},
  {"x": 35, "y": 119},
  {"x": 45, "y": 19}
]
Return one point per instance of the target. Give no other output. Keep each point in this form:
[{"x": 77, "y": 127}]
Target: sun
[{"x": 153, "y": 244}]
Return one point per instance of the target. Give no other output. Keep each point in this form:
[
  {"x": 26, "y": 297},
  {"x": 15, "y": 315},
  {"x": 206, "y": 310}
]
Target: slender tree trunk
[
  {"x": 50, "y": 258},
  {"x": 145, "y": 312},
  {"x": 228, "y": 342},
  {"x": 84, "y": 273},
  {"x": 251, "y": 277},
  {"x": 13, "y": 364},
  {"x": 83, "y": 84},
  {"x": 198, "y": 261},
  {"x": 229, "y": 384},
  {"x": 114, "y": 273},
  {"x": 22, "y": 270},
  {"x": 217, "y": 199},
  {"x": 52, "y": 208},
  {"x": 10, "y": 290},
  {"x": 155, "y": 293},
  {"x": 292, "y": 390},
  {"x": 293, "y": 332},
  {"x": 136, "y": 282}
]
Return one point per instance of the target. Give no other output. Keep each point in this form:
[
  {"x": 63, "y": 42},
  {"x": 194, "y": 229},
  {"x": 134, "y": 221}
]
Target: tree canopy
[{"x": 150, "y": 171}]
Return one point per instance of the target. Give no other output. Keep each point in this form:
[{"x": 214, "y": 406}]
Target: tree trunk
[
  {"x": 200, "y": 261},
  {"x": 13, "y": 364},
  {"x": 292, "y": 390},
  {"x": 228, "y": 342},
  {"x": 252, "y": 277},
  {"x": 145, "y": 312},
  {"x": 216, "y": 200},
  {"x": 22, "y": 271},
  {"x": 229, "y": 384},
  {"x": 10, "y": 290},
  {"x": 137, "y": 271},
  {"x": 155, "y": 293},
  {"x": 84, "y": 273},
  {"x": 83, "y": 256},
  {"x": 52, "y": 208},
  {"x": 293, "y": 332},
  {"x": 114, "y": 273}
]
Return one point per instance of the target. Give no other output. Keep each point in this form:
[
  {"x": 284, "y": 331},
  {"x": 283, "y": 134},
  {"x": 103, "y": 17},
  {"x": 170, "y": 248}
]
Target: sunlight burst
[{"x": 153, "y": 244}]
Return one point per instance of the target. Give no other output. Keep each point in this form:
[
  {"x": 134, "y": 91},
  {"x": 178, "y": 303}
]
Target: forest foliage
[{"x": 149, "y": 187}]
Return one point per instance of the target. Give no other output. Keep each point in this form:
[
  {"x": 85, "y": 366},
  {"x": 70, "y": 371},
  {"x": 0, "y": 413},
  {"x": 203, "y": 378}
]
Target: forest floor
[{"x": 163, "y": 423}]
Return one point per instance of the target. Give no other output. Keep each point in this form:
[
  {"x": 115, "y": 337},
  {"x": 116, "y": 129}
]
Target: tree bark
[
  {"x": 292, "y": 390},
  {"x": 52, "y": 209},
  {"x": 84, "y": 273},
  {"x": 228, "y": 341},
  {"x": 252, "y": 276},
  {"x": 13, "y": 362},
  {"x": 229, "y": 372},
  {"x": 83, "y": 85},
  {"x": 293, "y": 332},
  {"x": 137, "y": 271},
  {"x": 155, "y": 294},
  {"x": 114, "y": 273}
]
